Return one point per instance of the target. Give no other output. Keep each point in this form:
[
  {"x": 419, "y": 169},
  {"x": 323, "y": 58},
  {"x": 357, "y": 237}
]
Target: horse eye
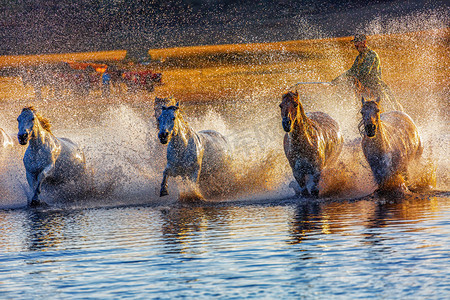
[
  {"x": 173, "y": 118},
  {"x": 295, "y": 104}
]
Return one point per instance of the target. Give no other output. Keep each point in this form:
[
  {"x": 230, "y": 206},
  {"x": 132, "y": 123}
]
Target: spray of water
[{"x": 127, "y": 160}]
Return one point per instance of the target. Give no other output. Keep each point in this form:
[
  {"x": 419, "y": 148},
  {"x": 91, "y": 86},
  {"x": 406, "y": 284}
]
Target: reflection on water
[{"x": 368, "y": 248}]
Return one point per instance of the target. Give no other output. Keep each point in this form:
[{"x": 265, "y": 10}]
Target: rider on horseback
[{"x": 365, "y": 74}]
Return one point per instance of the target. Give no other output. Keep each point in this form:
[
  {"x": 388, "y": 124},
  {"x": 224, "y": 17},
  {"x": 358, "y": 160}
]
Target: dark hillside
[{"x": 52, "y": 26}]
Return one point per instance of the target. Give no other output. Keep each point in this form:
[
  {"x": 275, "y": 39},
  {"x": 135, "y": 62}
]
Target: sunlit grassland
[{"x": 417, "y": 62}]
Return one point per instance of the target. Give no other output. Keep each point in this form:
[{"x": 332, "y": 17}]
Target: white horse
[
  {"x": 313, "y": 141},
  {"x": 47, "y": 158},
  {"x": 390, "y": 143},
  {"x": 199, "y": 157}
]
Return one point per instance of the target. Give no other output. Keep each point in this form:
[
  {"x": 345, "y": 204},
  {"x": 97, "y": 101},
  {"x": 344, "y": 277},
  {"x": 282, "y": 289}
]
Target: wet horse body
[
  {"x": 196, "y": 156},
  {"x": 313, "y": 141},
  {"x": 47, "y": 158},
  {"x": 390, "y": 143}
]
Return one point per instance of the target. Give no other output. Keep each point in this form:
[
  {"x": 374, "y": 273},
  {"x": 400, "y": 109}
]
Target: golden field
[{"x": 415, "y": 62}]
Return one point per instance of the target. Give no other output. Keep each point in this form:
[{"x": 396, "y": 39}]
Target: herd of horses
[{"x": 313, "y": 142}]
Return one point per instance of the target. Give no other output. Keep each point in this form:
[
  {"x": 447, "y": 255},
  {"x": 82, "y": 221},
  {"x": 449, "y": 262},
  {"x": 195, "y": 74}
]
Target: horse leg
[
  {"x": 313, "y": 184},
  {"x": 40, "y": 178},
  {"x": 163, "y": 191},
  {"x": 307, "y": 177},
  {"x": 195, "y": 194},
  {"x": 300, "y": 176},
  {"x": 195, "y": 176},
  {"x": 33, "y": 183}
]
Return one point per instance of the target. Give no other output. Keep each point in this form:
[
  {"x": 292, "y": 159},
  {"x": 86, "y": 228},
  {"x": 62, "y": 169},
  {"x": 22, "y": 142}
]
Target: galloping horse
[
  {"x": 47, "y": 158},
  {"x": 199, "y": 157},
  {"x": 312, "y": 142},
  {"x": 390, "y": 143}
]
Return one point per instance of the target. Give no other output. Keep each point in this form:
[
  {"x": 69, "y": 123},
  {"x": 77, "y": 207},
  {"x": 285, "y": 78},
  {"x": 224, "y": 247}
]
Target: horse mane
[
  {"x": 361, "y": 128},
  {"x": 45, "y": 123},
  {"x": 307, "y": 122},
  {"x": 180, "y": 116}
]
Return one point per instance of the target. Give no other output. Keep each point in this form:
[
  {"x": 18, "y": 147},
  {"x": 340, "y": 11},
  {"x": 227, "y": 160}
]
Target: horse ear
[
  {"x": 363, "y": 101},
  {"x": 177, "y": 105},
  {"x": 378, "y": 100},
  {"x": 163, "y": 107}
]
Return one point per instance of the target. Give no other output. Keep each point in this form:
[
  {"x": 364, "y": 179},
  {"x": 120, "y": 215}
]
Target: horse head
[
  {"x": 26, "y": 125},
  {"x": 370, "y": 112},
  {"x": 289, "y": 109},
  {"x": 167, "y": 122},
  {"x": 159, "y": 103},
  {"x": 29, "y": 121}
]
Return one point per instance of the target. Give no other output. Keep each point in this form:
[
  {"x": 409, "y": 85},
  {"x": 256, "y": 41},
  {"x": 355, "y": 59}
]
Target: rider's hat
[{"x": 359, "y": 37}]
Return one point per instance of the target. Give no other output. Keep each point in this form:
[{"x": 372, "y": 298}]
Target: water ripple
[{"x": 396, "y": 250}]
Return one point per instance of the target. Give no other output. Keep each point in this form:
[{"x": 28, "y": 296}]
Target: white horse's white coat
[
  {"x": 390, "y": 143},
  {"x": 193, "y": 156},
  {"x": 47, "y": 157}
]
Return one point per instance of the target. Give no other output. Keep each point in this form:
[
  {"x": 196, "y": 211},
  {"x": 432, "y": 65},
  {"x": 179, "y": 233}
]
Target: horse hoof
[
  {"x": 296, "y": 187},
  {"x": 163, "y": 193}
]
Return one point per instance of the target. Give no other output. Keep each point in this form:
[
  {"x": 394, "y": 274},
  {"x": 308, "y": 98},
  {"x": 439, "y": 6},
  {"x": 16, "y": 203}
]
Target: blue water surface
[{"x": 359, "y": 249}]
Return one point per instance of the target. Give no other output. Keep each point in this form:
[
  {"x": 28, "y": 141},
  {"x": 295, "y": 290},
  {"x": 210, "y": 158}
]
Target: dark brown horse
[{"x": 313, "y": 141}]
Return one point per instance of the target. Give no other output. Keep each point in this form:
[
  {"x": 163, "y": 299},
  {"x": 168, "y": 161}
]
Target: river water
[{"x": 286, "y": 248}]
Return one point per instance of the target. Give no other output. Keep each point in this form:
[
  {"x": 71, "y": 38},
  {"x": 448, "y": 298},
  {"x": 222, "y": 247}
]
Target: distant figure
[
  {"x": 106, "y": 84},
  {"x": 93, "y": 77},
  {"x": 88, "y": 84},
  {"x": 116, "y": 78},
  {"x": 365, "y": 75}
]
